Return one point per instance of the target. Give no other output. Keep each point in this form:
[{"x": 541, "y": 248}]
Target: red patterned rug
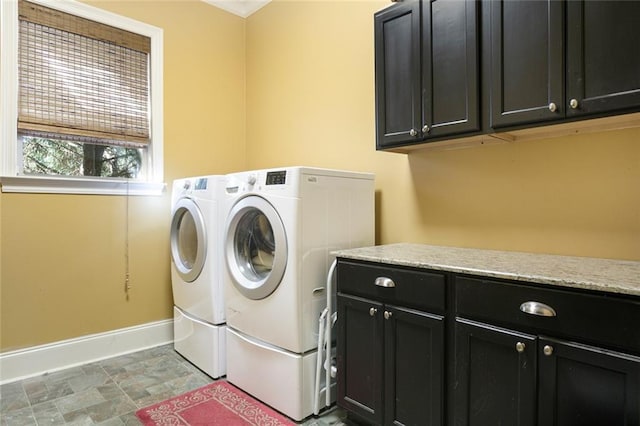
[{"x": 219, "y": 403}]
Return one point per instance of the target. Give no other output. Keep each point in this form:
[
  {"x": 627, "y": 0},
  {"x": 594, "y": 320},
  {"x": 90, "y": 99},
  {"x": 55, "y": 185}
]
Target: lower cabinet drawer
[
  {"x": 395, "y": 285},
  {"x": 591, "y": 318}
]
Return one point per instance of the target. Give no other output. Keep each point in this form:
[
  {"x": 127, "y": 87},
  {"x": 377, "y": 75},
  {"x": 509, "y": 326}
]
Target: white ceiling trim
[{"x": 242, "y": 8}]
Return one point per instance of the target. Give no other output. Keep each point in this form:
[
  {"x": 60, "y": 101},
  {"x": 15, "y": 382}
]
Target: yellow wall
[
  {"x": 63, "y": 255},
  {"x": 309, "y": 101}
]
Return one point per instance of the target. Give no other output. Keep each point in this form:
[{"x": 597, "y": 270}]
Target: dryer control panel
[{"x": 276, "y": 178}]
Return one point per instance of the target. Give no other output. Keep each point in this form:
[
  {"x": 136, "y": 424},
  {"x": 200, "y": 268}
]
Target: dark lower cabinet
[
  {"x": 360, "y": 350},
  {"x": 413, "y": 358},
  {"x": 392, "y": 363},
  {"x": 586, "y": 386},
  {"x": 495, "y": 376},
  {"x": 423, "y": 347},
  {"x": 505, "y": 377}
]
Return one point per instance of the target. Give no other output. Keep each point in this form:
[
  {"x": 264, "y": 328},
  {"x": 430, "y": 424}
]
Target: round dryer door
[
  {"x": 188, "y": 239},
  {"x": 256, "y": 247}
]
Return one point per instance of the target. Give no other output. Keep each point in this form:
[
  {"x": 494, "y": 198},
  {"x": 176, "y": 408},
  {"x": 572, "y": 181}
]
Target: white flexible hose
[
  {"x": 325, "y": 322},
  {"x": 316, "y": 397},
  {"x": 327, "y": 340},
  {"x": 332, "y": 369}
]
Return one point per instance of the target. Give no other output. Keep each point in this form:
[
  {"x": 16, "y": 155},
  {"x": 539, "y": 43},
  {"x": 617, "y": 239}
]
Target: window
[{"x": 81, "y": 100}]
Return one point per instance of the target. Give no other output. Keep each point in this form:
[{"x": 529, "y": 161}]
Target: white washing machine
[
  {"x": 197, "y": 219},
  {"x": 281, "y": 227}
]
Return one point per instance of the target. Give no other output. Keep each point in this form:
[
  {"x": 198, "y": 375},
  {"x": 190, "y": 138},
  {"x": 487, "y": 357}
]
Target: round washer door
[
  {"x": 188, "y": 239},
  {"x": 256, "y": 247}
]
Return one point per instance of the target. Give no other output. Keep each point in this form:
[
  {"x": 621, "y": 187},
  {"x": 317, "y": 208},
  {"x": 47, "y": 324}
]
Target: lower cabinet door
[
  {"x": 495, "y": 371},
  {"x": 413, "y": 385},
  {"x": 586, "y": 386},
  {"x": 359, "y": 357}
]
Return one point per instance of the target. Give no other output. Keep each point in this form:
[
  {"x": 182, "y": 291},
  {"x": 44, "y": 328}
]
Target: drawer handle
[
  {"x": 537, "y": 308},
  {"x": 385, "y": 282}
]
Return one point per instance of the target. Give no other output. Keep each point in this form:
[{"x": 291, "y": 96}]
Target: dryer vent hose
[{"x": 325, "y": 323}]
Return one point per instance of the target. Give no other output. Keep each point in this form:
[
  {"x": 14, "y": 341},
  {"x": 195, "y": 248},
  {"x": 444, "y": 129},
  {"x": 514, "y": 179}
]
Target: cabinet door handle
[
  {"x": 384, "y": 282},
  {"x": 553, "y": 107},
  {"x": 520, "y": 347},
  {"x": 547, "y": 350},
  {"x": 372, "y": 311},
  {"x": 573, "y": 103},
  {"x": 537, "y": 308},
  {"x": 387, "y": 314},
  {"x": 426, "y": 128},
  {"x": 413, "y": 132}
]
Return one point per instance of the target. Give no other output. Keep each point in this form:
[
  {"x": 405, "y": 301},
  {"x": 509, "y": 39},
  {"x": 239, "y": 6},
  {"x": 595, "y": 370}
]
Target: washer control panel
[{"x": 201, "y": 184}]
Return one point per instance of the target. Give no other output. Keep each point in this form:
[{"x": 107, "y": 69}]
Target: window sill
[{"x": 53, "y": 185}]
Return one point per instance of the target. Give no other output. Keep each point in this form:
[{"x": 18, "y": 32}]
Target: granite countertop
[{"x": 607, "y": 275}]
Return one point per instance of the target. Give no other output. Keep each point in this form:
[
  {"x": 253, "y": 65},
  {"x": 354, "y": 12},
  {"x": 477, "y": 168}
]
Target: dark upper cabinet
[
  {"x": 525, "y": 55},
  {"x": 541, "y": 62},
  {"x": 534, "y": 48},
  {"x": 450, "y": 97},
  {"x": 603, "y": 56},
  {"x": 397, "y": 69},
  {"x": 426, "y": 71}
]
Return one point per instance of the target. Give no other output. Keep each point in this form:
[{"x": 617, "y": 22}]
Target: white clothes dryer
[
  {"x": 281, "y": 227},
  {"x": 197, "y": 217}
]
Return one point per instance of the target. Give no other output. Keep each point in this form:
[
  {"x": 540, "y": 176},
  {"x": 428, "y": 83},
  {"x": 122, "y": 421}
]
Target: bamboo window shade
[{"x": 81, "y": 80}]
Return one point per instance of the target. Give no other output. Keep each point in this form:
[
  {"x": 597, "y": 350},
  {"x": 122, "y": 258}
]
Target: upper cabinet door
[
  {"x": 397, "y": 67},
  {"x": 526, "y": 60},
  {"x": 603, "y": 56},
  {"x": 450, "y": 101},
  {"x": 426, "y": 71}
]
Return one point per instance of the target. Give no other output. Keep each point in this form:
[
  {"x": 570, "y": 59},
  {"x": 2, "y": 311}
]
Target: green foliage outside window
[{"x": 67, "y": 158}]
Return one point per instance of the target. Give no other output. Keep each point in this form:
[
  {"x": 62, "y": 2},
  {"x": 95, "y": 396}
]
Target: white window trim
[{"x": 11, "y": 181}]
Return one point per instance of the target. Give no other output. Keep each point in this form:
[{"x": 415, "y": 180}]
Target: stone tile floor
[{"x": 109, "y": 392}]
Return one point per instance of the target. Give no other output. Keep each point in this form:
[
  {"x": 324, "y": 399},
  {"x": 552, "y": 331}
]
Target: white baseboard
[{"x": 37, "y": 360}]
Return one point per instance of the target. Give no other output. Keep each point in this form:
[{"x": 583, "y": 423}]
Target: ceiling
[{"x": 242, "y": 8}]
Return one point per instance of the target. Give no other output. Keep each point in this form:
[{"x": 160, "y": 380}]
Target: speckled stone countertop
[{"x": 607, "y": 275}]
